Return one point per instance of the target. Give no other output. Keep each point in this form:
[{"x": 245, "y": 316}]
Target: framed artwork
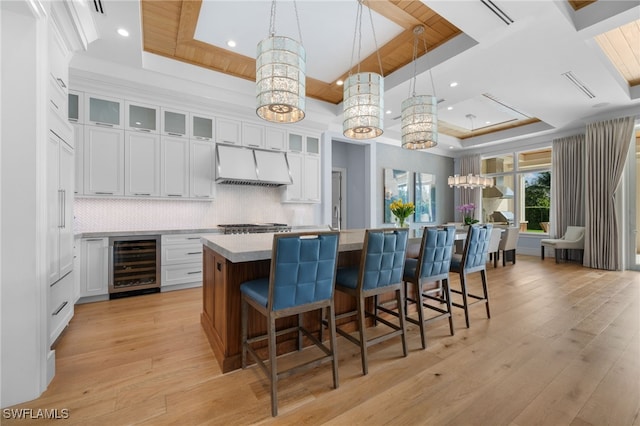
[
  {"x": 425, "y": 197},
  {"x": 396, "y": 186}
]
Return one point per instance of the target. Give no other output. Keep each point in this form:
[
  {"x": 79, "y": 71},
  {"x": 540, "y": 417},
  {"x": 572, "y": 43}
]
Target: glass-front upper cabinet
[
  {"x": 201, "y": 127},
  {"x": 76, "y": 101},
  {"x": 174, "y": 123},
  {"x": 295, "y": 142},
  {"x": 141, "y": 117},
  {"x": 313, "y": 145},
  {"x": 103, "y": 111}
]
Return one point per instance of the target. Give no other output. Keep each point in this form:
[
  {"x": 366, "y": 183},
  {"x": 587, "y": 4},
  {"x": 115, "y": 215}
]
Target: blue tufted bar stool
[
  {"x": 379, "y": 272},
  {"x": 473, "y": 259},
  {"x": 302, "y": 279},
  {"x": 429, "y": 274}
]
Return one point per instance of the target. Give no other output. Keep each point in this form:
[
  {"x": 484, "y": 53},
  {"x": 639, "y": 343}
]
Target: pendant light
[
  {"x": 419, "y": 113},
  {"x": 363, "y": 92},
  {"x": 280, "y": 75}
]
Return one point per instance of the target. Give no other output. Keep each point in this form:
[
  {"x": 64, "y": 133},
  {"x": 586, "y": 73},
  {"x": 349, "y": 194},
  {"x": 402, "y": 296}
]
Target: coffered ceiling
[{"x": 516, "y": 62}]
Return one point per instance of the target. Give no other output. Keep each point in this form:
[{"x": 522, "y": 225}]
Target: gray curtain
[
  {"x": 607, "y": 146},
  {"x": 471, "y": 165},
  {"x": 567, "y": 184}
]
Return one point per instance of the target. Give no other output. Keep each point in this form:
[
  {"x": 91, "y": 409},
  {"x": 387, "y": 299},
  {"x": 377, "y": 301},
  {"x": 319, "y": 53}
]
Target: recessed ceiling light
[
  {"x": 449, "y": 108},
  {"x": 453, "y": 84},
  {"x": 487, "y": 122},
  {"x": 123, "y": 32},
  {"x": 388, "y": 111},
  {"x": 339, "y": 82},
  {"x": 231, "y": 43},
  {"x": 450, "y": 146}
]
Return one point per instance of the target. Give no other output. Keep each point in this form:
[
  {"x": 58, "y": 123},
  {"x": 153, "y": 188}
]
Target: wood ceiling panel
[
  {"x": 169, "y": 28},
  {"x": 621, "y": 45},
  {"x": 579, "y": 4}
]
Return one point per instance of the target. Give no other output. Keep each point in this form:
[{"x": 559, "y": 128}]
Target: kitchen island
[{"x": 230, "y": 260}]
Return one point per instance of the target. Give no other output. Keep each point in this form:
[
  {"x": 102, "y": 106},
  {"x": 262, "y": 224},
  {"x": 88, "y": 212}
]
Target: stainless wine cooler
[{"x": 134, "y": 265}]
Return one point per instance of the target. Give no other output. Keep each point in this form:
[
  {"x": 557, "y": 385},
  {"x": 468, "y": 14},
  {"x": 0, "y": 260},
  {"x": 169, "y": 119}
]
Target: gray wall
[{"x": 392, "y": 157}]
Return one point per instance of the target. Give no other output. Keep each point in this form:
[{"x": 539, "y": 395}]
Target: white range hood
[{"x": 245, "y": 166}]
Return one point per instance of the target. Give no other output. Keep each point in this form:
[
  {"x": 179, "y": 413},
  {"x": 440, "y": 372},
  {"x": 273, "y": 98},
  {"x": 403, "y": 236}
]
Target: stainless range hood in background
[{"x": 245, "y": 166}]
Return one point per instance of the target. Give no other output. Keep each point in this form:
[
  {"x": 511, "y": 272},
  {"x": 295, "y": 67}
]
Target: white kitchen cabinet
[
  {"x": 201, "y": 127},
  {"x": 94, "y": 278},
  {"x": 141, "y": 117},
  {"x": 103, "y": 161},
  {"x": 253, "y": 135},
  {"x": 78, "y": 140},
  {"x": 142, "y": 164},
  {"x": 60, "y": 162},
  {"x": 228, "y": 131},
  {"x": 275, "y": 138},
  {"x": 60, "y": 306},
  {"x": 202, "y": 171},
  {"x": 103, "y": 111},
  {"x": 174, "y": 170},
  {"x": 181, "y": 261},
  {"x": 174, "y": 123},
  {"x": 304, "y": 163}
]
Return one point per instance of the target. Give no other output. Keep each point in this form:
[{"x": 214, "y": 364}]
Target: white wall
[{"x": 233, "y": 204}]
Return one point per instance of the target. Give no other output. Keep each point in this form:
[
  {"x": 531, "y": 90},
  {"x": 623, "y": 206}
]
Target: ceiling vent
[
  {"x": 497, "y": 11},
  {"x": 519, "y": 115},
  {"x": 584, "y": 89},
  {"x": 97, "y": 4}
]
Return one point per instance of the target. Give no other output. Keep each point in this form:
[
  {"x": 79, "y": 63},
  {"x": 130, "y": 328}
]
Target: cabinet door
[
  {"x": 312, "y": 145},
  {"x": 66, "y": 179},
  {"x": 295, "y": 143},
  {"x": 174, "y": 173},
  {"x": 294, "y": 191},
  {"x": 174, "y": 123},
  {"x": 202, "y": 171},
  {"x": 95, "y": 261},
  {"x": 252, "y": 135},
  {"x": 103, "y": 111},
  {"x": 103, "y": 161},
  {"x": 142, "y": 164},
  {"x": 228, "y": 131},
  {"x": 78, "y": 140},
  {"x": 141, "y": 117},
  {"x": 54, "y": 199},
  {"x": 311, "y": 179},
  {"x": 201, "y": 127},
  {"x": 75, "y": 105},
  {"x": 275, "y": 139}
]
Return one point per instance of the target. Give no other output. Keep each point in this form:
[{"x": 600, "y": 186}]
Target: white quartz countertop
[{"x": 250, "y": 247}]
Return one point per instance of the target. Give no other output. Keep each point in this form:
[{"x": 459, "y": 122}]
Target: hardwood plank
[{"x": 562, "y": 347}]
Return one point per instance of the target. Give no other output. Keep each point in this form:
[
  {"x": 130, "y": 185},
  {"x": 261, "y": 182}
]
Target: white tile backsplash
[{"x": 233, "y": 204}]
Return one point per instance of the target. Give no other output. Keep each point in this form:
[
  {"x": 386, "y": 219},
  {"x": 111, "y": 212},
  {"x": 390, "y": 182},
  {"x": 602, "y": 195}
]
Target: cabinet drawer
[
  {"x": 184, "y": 253},
  {"x": 60, "y": 306},
  {"x": 182, "y": 239},
  {"x": 58, "y": 98},
  {"x": 181, "y": 274}
]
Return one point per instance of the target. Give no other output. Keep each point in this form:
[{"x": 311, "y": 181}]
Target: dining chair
[
  {"x": 573, "y": 239},
  {"x": 301, "y": 279},
  {"x": 429, "y": 274},
  {"x": 379, "y": 272},
  {"x": 494, "y": 245},
  {"x": 508, "y": 244},
  {"x": 473, "y": 259}
]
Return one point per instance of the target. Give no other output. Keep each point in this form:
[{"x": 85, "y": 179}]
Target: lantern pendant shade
[
  {"x": 420, "y": 122},
  {"x": 363, "y": 106},
  {"x": 280, "y": 80}
]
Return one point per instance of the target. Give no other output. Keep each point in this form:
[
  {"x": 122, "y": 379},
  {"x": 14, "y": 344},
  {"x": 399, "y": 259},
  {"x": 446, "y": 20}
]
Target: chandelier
[
  {"x": 280, "y": 75},
  {"x": 470, "y": 181},
  {"x": 419, "y": 113},
  {"x": 363, "y": 92}
]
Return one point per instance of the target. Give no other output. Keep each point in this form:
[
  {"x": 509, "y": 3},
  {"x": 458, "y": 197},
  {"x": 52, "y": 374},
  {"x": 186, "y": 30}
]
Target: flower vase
[{"x": 402, "y": 223}]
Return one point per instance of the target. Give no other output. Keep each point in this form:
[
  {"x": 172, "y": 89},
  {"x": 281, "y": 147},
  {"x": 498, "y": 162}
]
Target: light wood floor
[{"x": 562, "y": 348}]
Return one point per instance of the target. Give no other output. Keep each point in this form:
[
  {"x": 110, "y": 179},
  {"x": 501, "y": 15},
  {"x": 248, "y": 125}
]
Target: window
[{"x": 521, "y": 195}]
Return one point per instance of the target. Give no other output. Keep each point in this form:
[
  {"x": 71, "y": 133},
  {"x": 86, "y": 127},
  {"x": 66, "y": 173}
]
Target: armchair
[{"x": 573, "y": 239}]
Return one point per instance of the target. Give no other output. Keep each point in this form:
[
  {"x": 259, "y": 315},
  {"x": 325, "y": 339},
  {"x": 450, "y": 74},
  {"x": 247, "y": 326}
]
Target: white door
[
  {"x": 311, "y": 177},
  {"x": 67, "y": 162},
  {"x": 53, "y": 208},
  {"x": 294, "y": 191},
  {"x": 142, "y": 164},
  {"x": 95, "y": 261},
  {"x": 174, "y": 174},
  {"x": 202, "y": 171},
  {"x": 103, "y": 161}
]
